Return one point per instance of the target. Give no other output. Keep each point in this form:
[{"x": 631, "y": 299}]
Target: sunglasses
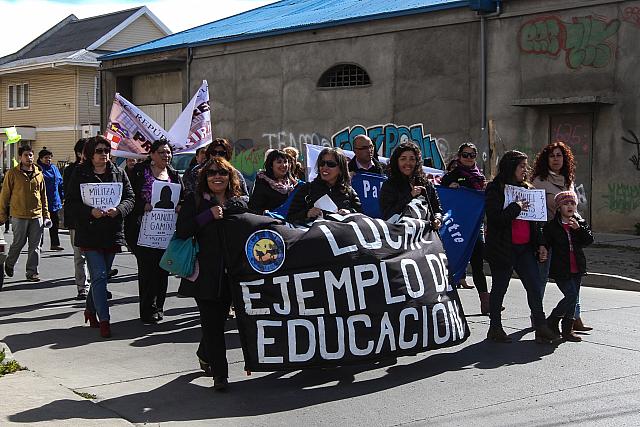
[
  {"x": 103, "y": 150},
  {"x": 219, "y": 153},
  {"x": 215, "y": 172},
  {"x": 468, "y": 155},
  {"x": 327, "y": 163}
]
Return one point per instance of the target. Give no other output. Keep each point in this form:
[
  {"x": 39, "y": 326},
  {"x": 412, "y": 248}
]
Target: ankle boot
[
  {"x": 105, "y": 329},
  {"x": 544, "y": 335},
  {"x": 567, "y": 331},
  {"x": 553, "y": 322},
  {"x": 484, "y": 303},
  {"x": 497, "y": 334},
  {"x": 580, "y": 327},
  {"x": 91, "y": 318}
]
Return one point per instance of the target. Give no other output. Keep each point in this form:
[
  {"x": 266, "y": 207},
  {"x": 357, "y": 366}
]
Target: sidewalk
[{"x": 613, "y": 262}]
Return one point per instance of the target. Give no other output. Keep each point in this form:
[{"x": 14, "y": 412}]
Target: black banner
[{"x": 348, "y": 290}]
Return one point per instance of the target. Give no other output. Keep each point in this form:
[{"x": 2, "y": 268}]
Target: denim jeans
[
  {"x": 543, "y": 268},
  {"x": 26, "y": 230},
  {"x": 524, "y": 262},
  {"x": 79, "y": 265},
  {"x": 566, "y": 308},
  {"x": 99, "y": 264},
  {"x": 577, "y": 313}
]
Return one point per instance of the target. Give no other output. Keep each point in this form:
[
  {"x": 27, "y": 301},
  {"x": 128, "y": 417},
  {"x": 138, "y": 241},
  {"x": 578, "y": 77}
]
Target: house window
[
  {"x": 18, "y": 96},
  {"x": 344, "y": 75},
  {"x": 96, "y": 91}
]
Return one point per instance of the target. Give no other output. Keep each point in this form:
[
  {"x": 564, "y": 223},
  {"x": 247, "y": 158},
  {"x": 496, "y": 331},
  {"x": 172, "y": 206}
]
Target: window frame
[
  {"x": 12, "y": 89},
  {"x": 343, "y": 64}
]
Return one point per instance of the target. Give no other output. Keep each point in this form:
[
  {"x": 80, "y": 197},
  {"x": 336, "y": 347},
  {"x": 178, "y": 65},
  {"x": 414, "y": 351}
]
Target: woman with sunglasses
[
  {"x": 98, "y": 233},
  {"x": 407, "y": 181},
  {"x": 218, "y": 194},
  {"x": 152, "y": 280},
  {"x": 464, "y": 172},
  {"x": 273, "y": 184},
  {"x": 333, "y": 180},
  {"x": 222, "y": 148}
]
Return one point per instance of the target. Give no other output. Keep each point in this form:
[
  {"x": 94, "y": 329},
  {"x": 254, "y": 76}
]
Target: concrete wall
[{"x": 426, "y": 69}]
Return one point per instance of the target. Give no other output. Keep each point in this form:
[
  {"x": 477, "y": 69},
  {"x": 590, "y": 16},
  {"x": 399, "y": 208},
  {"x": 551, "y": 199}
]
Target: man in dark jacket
[{"x": 364, "y": 160}]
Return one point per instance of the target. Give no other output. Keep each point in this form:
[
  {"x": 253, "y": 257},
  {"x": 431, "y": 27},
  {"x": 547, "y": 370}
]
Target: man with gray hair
[{"x": 364, "y": 160}]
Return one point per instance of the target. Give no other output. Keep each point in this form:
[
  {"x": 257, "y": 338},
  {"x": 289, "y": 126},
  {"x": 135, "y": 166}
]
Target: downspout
[{"x": 189, "y": 59}]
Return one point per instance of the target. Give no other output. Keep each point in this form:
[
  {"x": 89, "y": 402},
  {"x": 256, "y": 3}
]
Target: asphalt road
[{"x": 149, "y": 374}]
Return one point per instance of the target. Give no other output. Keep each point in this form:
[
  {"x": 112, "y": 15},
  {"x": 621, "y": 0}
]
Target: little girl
[{"x": 566, "y": 235}]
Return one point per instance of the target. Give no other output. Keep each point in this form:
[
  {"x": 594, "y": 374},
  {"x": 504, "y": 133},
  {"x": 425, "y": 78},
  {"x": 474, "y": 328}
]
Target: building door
[{"x": 576, "y": 130}]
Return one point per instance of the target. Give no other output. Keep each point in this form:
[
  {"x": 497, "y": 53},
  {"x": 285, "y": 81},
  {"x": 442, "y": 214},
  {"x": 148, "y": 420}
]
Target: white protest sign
[
  {"x": 157, "y": 228},
  {"x": 537, "y": 210},
  {"x": 101, "y": 195},
  {"x": 165, "y": 195}
]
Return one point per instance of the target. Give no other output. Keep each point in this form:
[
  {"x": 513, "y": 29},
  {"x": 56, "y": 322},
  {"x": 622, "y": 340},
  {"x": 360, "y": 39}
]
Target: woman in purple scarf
[{"x": 464, "y": 172}]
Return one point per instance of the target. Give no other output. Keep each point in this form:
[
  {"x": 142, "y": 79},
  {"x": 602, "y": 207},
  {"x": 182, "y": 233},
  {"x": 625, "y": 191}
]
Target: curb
[
  {"x": 8, "y": 356},
  {"x": 610, "y": 281}
]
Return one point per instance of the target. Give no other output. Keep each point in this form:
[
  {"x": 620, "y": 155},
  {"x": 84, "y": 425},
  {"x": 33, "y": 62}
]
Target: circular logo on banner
[{"x": 265, "y": 251}]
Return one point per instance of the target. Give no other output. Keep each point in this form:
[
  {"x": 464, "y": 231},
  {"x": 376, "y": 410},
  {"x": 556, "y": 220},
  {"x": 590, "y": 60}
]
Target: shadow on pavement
[{"x": 63, "y": 409}]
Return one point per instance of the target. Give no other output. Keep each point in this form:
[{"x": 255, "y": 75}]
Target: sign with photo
[{"x": 159, "y": 224}]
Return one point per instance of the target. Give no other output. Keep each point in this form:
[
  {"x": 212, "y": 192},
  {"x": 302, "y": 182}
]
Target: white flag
[
  {"x": 192, "y": 130},
  {"x": 130, "y": 130}
]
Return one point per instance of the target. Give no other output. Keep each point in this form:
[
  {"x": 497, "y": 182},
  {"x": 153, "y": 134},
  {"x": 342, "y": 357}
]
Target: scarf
[
  {"x": 285, "y": 187},
  {"x": 473, "y": 176}
]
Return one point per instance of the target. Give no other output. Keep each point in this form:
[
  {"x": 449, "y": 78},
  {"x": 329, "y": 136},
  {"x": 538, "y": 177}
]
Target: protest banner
[
  {"x": 348, "y": 290},
  {"x": 130, "y": 130},
  {"x": 192, "y": 129},
  {"x": 463, "y": 214},
  {"x": 368, "y": 186},
  {"x": 101, "y": 195},
  {"x": 537, "y": 210},
  {"x": 158, "y": 225}
]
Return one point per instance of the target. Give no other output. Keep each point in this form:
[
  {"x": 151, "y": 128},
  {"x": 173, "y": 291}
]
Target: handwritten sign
[
  {"x": 101, "y": 195},
  {"x": 165, "y": 195},
  {"x": 157, "y": 227},
  {"x": 537, "y": 210}
]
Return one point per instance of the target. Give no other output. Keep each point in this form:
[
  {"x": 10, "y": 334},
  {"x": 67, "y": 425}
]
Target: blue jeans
[
  {"x": 577, "y": 314},
  {"x": 543, "y": 268},
  {"x": 566, "y": 307},
  {"x": 99, "y": 264},
  {"x": 524, "y": 262}
]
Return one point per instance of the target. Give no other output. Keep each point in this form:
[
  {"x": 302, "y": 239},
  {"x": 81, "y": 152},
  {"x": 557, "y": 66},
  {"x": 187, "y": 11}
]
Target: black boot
[
  {"x": 553, "y": 322},
  {"x": 497, "y": 334},
  {"x": 544, "y": 335},
  {"x": 567, "y": 331}
]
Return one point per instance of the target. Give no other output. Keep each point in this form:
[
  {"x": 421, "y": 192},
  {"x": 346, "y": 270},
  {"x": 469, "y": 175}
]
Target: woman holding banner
[
  {"x": 274, "y": 184},
  {"x": 406, "y": 182},
  {"x": 512, "y": 244},
  {"x": 218, "y": 194},
  {"x": 98, "y": 233},
  {"x": 464, "y": 172},
  {"x": 333, "y": 180},
  {"x": 152, "y": 280}
]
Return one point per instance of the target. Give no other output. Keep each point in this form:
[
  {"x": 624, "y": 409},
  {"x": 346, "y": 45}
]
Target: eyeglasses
[
  {"x": 215, "y": 172},
  {"x": 103, "y": 150},
  {"x": 327, "y": 163},
  {"x": 467, "y": 155},
  {"x": 219, "y": 153},
  {"x": 368, "y": 147}
]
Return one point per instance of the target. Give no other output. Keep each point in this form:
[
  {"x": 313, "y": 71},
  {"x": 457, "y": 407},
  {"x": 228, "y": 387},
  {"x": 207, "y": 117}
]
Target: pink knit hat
[{"x": 565, "y": 197}]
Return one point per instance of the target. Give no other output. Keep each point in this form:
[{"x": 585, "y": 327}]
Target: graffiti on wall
[
  {"x": 585, "y": 41},
  {"x": 575, "y": 133},
  {"x": 623, "y": 198},
  {"x": 282, "y": 139},
  {"x": 632, "y": 15},
  {"x": 635, "y": 158},
  {"x": 389, "y": 136}
]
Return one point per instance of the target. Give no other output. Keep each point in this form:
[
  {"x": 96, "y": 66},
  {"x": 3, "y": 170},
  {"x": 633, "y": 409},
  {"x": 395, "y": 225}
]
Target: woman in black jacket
[
  {"x": 99, "y": 233},
  {"x": 274, "y": 184},
  {"x": 152, "y": 280},
  {"x": 511, "y": 244},
  {"x": 464, "y": 172},
  {"x": 218, "y": 194},
  {"x": 406, "y": 182},
  {"x": 332, "y": 180}
]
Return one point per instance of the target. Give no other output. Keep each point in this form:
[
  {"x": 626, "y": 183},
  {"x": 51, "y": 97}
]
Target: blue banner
[
  {"x": 368, "y": 186},
  {"x": 281, "y": 211},
  {"x": 463, "y": 213}
]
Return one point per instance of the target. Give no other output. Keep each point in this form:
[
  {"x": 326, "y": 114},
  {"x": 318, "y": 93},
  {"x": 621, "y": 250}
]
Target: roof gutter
[{"x": 51, "y": 64}]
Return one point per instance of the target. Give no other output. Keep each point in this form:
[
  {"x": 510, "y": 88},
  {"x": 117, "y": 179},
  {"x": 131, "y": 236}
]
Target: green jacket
[{"x": 22, "y": 197}]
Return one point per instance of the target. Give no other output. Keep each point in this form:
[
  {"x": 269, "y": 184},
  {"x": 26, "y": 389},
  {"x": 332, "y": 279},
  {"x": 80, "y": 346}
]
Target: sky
[{"x": 37, "y": 16}]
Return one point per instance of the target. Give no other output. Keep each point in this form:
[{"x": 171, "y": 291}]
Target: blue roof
[{"x": 288, "y": 16}]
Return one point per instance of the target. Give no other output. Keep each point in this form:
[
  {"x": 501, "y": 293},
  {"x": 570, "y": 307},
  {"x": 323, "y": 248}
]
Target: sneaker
[
  {"x": 8, "y": 270},
  {"x": 33, "y": 277},
  {"x": 57, "y": 248}
]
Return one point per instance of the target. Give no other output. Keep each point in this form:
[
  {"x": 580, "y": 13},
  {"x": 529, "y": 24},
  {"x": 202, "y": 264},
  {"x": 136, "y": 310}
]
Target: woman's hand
[
  {"x": 178, "y": 208},
  {"x": 524, "y": 204},
  {"x": 147, "y": 207},
  {"x": 436, "y": 224},
  {"x": 217, "y": 212},
  {"x": 97, "y": 213},
  {"x": 314, "y": 212},
  {"x": 454, "y": 185},
  {"x": 417, "y": 190},
  {"x": 344, "y": 211},
  {"x": 112, "y": 212},
  {"x": 542, "y": 253}
]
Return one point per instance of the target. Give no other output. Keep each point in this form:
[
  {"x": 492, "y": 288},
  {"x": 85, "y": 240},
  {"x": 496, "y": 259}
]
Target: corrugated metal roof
[{"x": 288, "y": 16}]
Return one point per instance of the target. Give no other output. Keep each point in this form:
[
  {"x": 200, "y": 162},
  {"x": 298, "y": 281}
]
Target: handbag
[{"x": 180, "y": 256}]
